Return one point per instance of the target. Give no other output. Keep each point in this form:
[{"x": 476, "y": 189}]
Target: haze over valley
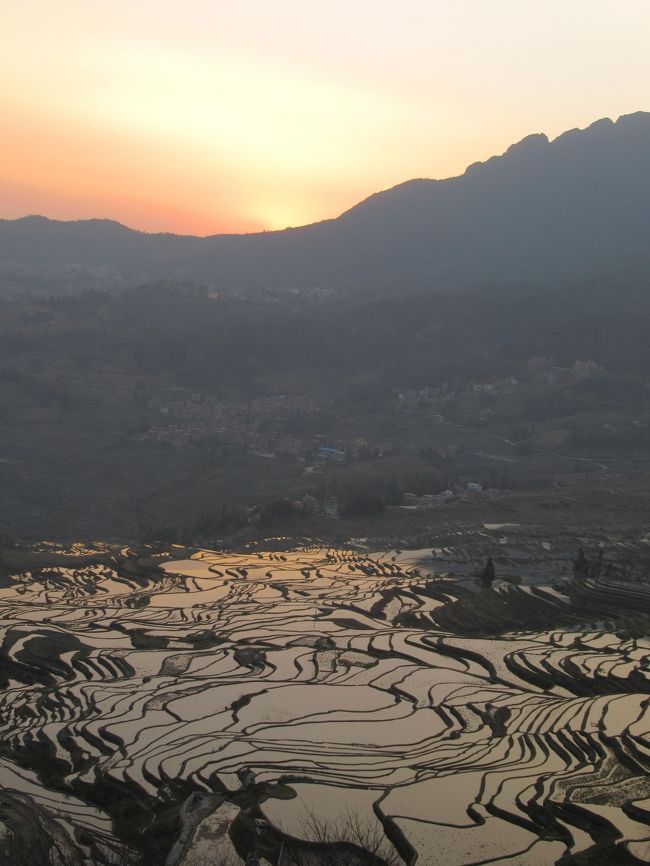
[{"x": 325, "y": 545}]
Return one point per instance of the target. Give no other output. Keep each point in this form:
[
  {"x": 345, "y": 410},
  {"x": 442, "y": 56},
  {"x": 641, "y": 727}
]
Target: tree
[
  {"x": 581, "y": 564},
  {"x": 488, "y": 576}
]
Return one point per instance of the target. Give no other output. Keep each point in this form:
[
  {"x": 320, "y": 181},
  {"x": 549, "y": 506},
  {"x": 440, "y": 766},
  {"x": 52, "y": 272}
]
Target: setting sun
[{"x": 209, "y": 117}]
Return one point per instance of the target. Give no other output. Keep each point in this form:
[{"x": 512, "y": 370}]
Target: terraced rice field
[{"x": 321, "y": 685}]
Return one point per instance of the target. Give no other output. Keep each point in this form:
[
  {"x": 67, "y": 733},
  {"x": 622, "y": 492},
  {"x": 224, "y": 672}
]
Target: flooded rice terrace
[{"x": 216, "y": 704}]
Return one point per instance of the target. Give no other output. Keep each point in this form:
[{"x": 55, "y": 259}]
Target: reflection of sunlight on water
[{"x": 296, "y": 663}]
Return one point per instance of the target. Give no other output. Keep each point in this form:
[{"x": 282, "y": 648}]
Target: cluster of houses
[
  {"x": 429, "y": 500},
  {"x": 472, "y": 492},
  {"x": 308, "y": 505},
  {"x": 542, "y": 369},
  {"x": 256, "y": 425},
  {"x": 327, "y": 454},
  {"x": 504, "y": 387},
  {"x": 545, "y": 370},
  {"x": 422, "y": 398},
  {"x": 252, "y": 414},
  {"x": 329, "y": 505}
]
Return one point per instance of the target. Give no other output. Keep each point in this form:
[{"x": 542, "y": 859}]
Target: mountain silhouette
[{"x": 574, "y": 208}]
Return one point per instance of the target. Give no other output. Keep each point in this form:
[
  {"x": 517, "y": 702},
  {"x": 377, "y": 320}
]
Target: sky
[{"x": 207, "y": 116}]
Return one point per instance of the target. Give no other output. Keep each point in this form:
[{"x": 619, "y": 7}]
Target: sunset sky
[{"x": 205, "y": 116}]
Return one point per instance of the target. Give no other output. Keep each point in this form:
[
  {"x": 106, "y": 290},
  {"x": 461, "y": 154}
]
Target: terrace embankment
[{"x": 320, "y": 704}]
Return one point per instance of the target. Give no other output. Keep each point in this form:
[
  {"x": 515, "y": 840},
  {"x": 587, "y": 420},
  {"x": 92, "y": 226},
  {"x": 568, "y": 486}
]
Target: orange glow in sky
[{"x": 207, "y": 116}]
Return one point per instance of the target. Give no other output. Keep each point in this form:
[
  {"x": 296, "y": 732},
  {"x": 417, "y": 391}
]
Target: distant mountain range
[{"x": 567, "y": 210}]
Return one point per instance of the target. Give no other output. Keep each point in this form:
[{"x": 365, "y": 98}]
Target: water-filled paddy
[{"x": 337, "y": 672}]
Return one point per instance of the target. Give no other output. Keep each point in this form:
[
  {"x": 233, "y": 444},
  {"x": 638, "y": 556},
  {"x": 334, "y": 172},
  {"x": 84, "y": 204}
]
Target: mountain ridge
[{"x": 569, "y": 208}]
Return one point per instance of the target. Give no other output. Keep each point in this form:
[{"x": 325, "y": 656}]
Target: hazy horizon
[
  {"x": 207, "y": 119},
  {"x": 325, "y": 218}
]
